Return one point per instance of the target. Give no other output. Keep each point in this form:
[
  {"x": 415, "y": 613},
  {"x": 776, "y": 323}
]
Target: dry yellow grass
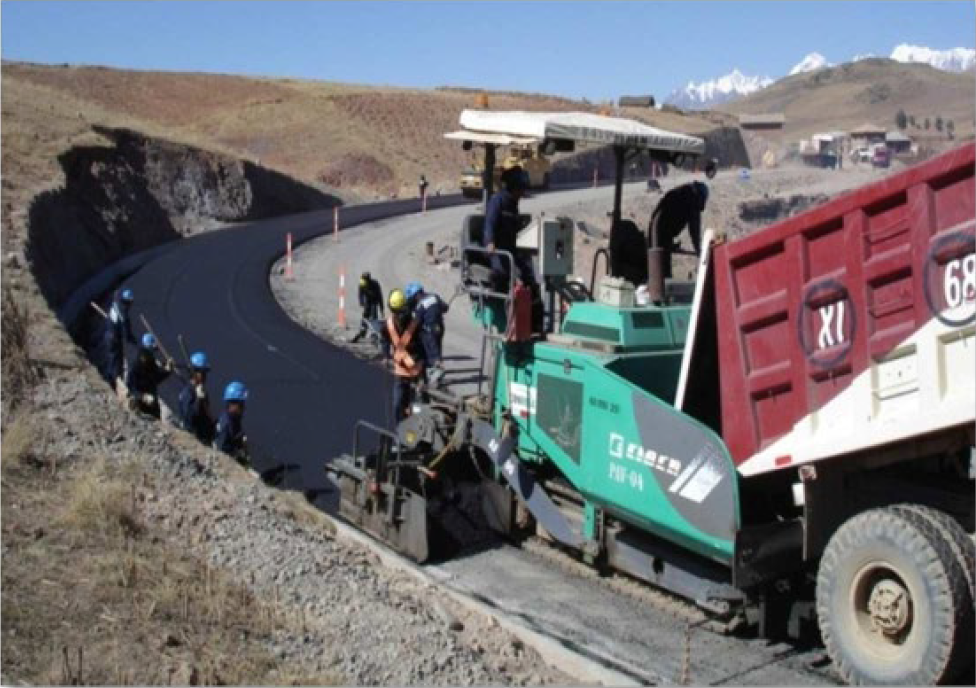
[
  {"x": 24, "y": 440},
  {"x": 92, "y": 596},
  {"x": 19, "y": 372},
  {"x": 101, "y": 502}
]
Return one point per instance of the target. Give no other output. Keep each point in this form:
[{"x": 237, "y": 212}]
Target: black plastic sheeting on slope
[{"x": 305, "y": 395}]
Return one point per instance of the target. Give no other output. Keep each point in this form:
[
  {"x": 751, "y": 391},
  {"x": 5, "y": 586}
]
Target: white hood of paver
[{"x": 582, "y": 127}]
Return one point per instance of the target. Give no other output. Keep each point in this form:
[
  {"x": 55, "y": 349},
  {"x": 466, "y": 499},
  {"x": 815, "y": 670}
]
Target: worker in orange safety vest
[{"x": 402, "y": 345}]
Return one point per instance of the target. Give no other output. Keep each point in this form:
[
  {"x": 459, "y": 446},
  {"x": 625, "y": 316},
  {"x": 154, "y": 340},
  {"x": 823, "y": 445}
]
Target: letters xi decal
[{"x": 827, "y": 323}]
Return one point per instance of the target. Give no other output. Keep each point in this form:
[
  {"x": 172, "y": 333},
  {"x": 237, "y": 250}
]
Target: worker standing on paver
[
  {"x": 402, "y": 345},
  {"x": 194, "y": 402},
  {"x": 230, "y": 437},
  {"x": 118, "y": 330},
  {"x": 145, "y": 376},
  {"x": 371, "y": 301},
  {"x": 680, "y": 207},
  {"x": 502, "y": 226},
  {"x": 429, "y": 309}
]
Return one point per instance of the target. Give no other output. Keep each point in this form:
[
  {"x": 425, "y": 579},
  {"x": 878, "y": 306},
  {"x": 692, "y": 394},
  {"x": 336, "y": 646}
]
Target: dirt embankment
[{"x": 137, "y": 192}]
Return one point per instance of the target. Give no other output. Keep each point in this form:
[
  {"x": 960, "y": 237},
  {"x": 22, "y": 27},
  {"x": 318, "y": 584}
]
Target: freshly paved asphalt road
[{"x": 304, "y": 394}]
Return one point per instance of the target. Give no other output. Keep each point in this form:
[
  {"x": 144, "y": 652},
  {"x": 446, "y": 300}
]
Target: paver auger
[{"x": 795, "y": 444}]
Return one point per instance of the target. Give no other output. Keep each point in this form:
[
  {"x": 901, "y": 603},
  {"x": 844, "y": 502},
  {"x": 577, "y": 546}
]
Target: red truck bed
[{"x": 852, "y": 325}]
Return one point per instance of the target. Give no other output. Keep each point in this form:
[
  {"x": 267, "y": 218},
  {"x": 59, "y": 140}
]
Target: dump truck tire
[
  {"x": 892, "y": 599},
  {"x": 964, "y": 552},
  {"x": 962, "y": 545}
]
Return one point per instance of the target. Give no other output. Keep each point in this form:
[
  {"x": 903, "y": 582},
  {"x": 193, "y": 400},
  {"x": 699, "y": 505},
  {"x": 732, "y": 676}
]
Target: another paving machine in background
[{"x": 796, "y": 445}]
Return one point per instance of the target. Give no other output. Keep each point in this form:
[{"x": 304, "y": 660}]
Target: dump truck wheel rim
[{"x": 883, "y": 608}]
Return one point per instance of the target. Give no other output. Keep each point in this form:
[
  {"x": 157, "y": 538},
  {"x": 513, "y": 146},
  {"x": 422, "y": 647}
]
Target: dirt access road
[{"x": 393, "y": 250}]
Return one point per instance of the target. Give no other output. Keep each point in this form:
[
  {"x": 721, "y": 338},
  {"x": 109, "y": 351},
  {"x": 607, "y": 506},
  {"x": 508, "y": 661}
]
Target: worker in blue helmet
[
  {"x": 194, "y": 404},
  {"x": 429, "y": 310},
  {"x": 145, "y": 375},
  {"x": 117, "y": 329},
  {"x": 679, "y": 209},
  {"x": 230, "y": 437}
]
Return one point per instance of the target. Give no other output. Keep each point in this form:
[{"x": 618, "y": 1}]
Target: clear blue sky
[{"x": 597, "y": 50}]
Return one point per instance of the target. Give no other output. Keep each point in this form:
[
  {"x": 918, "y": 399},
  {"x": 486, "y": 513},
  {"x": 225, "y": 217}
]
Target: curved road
[{"x": 305, "y": 394}]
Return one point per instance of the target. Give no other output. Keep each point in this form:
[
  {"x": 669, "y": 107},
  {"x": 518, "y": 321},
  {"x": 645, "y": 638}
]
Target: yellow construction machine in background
[{"x": 528, "y": 157}]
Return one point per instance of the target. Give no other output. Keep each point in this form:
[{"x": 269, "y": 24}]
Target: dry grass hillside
[
  {"x": 852, "y": 94},
  {"x": 362, "y": 140}
]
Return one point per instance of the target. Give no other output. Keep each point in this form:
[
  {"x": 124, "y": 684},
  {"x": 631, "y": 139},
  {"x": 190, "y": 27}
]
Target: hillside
[
  {"x": 362, "y": 140},
  {"x": 870, "y": 90}
]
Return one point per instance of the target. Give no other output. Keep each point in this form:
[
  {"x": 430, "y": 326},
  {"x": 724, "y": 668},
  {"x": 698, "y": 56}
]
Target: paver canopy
[{"x": 582, "y": 127}]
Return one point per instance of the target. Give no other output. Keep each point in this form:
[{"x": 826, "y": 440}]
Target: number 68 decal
[
  {"x": 950, "y": 279},
  {"x": 960, "y": 281}
]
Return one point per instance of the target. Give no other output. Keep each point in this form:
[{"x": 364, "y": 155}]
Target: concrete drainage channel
[{"x": 586, "y": 668}]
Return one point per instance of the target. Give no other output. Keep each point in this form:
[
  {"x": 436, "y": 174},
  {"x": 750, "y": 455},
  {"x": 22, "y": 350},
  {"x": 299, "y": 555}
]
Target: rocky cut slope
[{"x": 136, "y": 192}]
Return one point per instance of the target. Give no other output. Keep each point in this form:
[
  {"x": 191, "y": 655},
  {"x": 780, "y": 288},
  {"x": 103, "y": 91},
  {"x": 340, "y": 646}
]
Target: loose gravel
[{"x": 361, "y": 621}]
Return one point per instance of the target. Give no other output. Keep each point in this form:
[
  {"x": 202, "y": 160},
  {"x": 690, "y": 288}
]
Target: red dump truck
[{"x": 843, "y": 343}]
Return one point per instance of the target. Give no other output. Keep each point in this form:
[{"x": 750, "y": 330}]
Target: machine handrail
[
  {"x": 606, "y": 255},
  {"x": 381, "y": 462},
  {"x": 507, "y": 255},
  {"x": 482, "y": 293}
]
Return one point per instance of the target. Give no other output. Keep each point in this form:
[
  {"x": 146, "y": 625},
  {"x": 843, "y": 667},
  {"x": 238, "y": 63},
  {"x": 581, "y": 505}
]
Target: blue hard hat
[
  {"x": 199, "y": 361},
  {"x": 127, "y": 296},
  {"x": 235, "y": 391},
  {"x": 413, "y": 289},
  {"x": 148, "y": 341}
]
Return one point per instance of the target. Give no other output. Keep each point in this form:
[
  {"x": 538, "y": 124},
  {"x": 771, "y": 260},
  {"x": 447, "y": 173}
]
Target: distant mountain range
[
  {"x": 954, "y": 60},
  {"x": 728, "y": 88},
  {"x": 725, "y": 88},
  {"x": 810, "y": 63}
]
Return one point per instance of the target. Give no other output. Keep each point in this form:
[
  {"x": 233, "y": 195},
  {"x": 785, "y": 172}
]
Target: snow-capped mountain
[
  {"x": 720, "y": 90},
  {"x": 696, "y": 96},
  {"x": 953, "y": 60},
  {"x": 810, "y": 63}
]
